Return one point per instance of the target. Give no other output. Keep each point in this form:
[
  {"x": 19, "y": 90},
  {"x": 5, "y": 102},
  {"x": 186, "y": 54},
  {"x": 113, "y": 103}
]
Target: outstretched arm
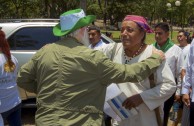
[{"x": 116, "y": 73}]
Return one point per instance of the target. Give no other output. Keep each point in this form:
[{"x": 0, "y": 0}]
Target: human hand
[
  {"x": 158, "y": 52},
  {"x": 186, "y": 100},
  {"x": 190, "y": 90},
  {"x": 133, "y": 101},
  {"x": 177, "y": 98}
]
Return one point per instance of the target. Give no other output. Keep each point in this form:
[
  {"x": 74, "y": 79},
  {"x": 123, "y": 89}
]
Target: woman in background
[{"x": 10, "y": 102}]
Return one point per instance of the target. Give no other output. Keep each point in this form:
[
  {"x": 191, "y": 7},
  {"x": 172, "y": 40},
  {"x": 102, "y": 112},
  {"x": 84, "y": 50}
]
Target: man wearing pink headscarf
[{"x": 142, "y": 96}]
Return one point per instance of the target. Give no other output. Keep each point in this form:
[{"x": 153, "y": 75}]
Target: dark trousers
[
  {"x": 167, "y": 106},
  {"x": 192, "y": 114},
  {"x": 107, "y": 120},
  {"x": 13, "y": 116}
]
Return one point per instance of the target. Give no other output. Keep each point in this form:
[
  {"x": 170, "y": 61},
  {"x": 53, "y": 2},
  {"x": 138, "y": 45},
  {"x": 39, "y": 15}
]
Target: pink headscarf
[{"x": 141, "y": 21}]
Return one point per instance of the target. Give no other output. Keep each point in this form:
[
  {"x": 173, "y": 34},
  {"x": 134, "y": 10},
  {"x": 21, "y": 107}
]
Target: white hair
[{"x": 81, "y": 35}]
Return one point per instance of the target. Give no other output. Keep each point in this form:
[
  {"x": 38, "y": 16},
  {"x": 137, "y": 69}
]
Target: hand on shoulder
[{"x": 158, "y": 52}]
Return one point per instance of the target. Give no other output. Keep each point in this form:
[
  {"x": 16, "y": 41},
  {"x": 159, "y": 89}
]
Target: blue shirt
[
  {"x": 99, "y": 44},
  {"x": 9, "y": 95}
]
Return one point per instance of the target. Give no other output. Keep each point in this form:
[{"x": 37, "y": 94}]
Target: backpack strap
[{"x": 157, "y": 111}]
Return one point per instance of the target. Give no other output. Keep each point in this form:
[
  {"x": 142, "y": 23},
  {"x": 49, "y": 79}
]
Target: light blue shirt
[
  {"x": 99, "y": 44},
  {"x": 9, "y": 94},
  {"x": 188, "y": 81},
  {"x": 185, "y": 54}
]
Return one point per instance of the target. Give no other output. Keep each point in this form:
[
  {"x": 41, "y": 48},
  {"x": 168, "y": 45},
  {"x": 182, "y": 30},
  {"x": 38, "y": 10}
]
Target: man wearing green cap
[{"x": 70, "y": 79}]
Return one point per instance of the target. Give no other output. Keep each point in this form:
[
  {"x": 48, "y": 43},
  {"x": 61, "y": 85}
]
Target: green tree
[{"x": 110, "y": 11}]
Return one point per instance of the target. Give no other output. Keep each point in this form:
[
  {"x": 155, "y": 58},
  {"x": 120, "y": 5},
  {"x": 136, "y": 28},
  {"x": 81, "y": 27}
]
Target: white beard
[{"x": 84, "y": 38}]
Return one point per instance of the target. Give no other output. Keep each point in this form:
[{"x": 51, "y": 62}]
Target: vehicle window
[{"x": 31, "y": 38}]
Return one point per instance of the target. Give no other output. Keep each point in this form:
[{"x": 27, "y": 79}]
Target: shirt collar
[
  {"x": 165, "y": 47},
  {"x": 97, "y": 45}
]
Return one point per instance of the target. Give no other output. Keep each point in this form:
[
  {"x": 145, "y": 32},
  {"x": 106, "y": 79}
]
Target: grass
[{"x": 149, "y": 38}]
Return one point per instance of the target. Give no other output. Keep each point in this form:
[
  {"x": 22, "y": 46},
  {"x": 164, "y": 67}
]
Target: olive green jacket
[{"x": 70, "y": 81}]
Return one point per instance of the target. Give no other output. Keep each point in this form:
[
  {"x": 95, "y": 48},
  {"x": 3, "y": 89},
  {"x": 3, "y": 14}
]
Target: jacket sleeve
[
  {"x": 26, "y": 76},
  {"x": 110, "y": 72}
]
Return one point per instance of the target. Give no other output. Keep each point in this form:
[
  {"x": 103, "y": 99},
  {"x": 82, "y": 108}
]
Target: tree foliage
[{"x": 111, "y": 11}]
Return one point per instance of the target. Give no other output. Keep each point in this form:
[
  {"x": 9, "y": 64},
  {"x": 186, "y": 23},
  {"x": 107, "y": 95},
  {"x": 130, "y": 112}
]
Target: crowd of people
[{"x": 75, "y": 77}]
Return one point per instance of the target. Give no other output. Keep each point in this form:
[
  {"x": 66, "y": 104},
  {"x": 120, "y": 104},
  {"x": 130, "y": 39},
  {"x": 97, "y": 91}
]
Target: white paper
[
  {"x": 116, "y": 105},
  {"x": 111, "y": 92}
]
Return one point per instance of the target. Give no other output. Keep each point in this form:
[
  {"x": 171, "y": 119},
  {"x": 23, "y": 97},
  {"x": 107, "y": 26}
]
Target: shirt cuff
[{"x": 157, "y": 56}]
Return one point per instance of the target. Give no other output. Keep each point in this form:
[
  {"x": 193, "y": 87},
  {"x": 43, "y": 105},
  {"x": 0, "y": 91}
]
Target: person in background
[
  {"x": 188, "y": 85},
  {"x": 10, "y": 102},
  {"x": 70, "y": 79},
  {"x": 183, "y": 38},
  {"x": 174, "y": 59},
  {"x": 95, "y": 37},
  {"x": 143, "y": 96}
]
